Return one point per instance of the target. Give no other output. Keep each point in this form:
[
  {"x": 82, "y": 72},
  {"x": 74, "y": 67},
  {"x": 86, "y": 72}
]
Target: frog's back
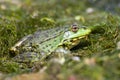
[{"x": 47, "y": 40}]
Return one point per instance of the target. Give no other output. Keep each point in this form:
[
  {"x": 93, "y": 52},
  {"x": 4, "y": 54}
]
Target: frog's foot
[
  {"x": 27, "y": 57},
  {"x": 58, "y": 56},
  {"x": 61, "y": 54},
  {"x": 58, "y": 60}
]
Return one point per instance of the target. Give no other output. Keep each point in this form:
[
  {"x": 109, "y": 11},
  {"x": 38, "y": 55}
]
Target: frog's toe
[{"x": 58, "y": 60}]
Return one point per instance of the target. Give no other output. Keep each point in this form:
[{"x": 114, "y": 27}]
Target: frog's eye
[{"x": 74, "y": 27}]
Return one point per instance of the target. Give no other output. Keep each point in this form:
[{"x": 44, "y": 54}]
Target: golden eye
[{"x": 74, "y": 27}]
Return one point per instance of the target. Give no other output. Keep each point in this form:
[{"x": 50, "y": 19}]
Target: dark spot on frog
[
  {"x": 51, "y": 47},
  {"x": 43, "y": 47},
  {"x": 55, "y": 40},
  {"x": 57, "y": 29},
  {"x": 71, "y": 40},
  {"x": 48, "y": 50},
  {"x": 46, "y": 45},
  {"x": 49, "y": 44},
  {"x": 31, "y": 43}
]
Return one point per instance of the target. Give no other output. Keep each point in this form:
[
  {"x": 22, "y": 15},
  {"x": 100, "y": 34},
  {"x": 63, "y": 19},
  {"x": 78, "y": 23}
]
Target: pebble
[
  {"x": 89, "y": 10},
  {"x": 118, "y": 45}
]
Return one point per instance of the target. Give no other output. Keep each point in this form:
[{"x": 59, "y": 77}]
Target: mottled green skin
[{"x": 42, "y": 43}]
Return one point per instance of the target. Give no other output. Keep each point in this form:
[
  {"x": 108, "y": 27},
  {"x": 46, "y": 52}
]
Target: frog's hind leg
[
  {"x": 15, "y": 48},
  {"x": 27, "y": 57}
]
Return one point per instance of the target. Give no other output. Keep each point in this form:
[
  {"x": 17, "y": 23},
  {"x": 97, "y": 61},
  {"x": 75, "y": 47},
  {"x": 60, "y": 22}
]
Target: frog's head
[{"x": 72, "y": 37}]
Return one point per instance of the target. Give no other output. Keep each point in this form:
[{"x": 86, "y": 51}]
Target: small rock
[
  {"x": 90, "y": 61},
  {"x": 118, "y": 45},
  {"x": 89, "y": 10},
  {"x": 75, "y": 58}
]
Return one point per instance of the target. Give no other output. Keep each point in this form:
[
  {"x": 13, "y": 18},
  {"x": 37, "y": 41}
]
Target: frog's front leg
[{"x": 61, "y": 54}]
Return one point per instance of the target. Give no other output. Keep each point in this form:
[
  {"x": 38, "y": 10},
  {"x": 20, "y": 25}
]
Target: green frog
[{"x": 40, "y": 44}]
